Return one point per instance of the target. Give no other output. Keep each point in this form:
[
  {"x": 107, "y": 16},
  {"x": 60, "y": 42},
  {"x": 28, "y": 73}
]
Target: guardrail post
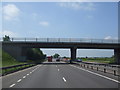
[
  {"x": 114, "y": 72},
  {"x": 97, "y": 68},
  {"x": 91, "y": 67},
  {"x": 84, "y": 65},
  {"x": 104, "y": 70}
]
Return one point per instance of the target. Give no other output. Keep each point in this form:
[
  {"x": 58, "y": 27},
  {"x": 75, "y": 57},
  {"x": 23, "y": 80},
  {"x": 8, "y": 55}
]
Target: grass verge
[{"x": 99, "y": 60}]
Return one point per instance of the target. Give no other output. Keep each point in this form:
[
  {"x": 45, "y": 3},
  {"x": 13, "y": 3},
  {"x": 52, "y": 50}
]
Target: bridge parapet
[{"x": 74, "y": 40}]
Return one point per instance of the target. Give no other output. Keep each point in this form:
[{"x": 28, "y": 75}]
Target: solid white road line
[
  {"x": 24, "y": 76},
  {"x": 19, "y": 80},
  {"x": 12, "y": 85},
  {"x": 58, "y": 69},
  {"x": 97, "y": 74},
  {"x": 64, "y": 79}
]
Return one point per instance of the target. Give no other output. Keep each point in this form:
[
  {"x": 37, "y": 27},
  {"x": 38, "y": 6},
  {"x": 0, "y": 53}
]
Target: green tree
[
  {"x": 64, "y": 57},
  {"x": 35, "y": 54},
  {"x": 56, "y": 55},
  {"x": 6, "y": 38}
]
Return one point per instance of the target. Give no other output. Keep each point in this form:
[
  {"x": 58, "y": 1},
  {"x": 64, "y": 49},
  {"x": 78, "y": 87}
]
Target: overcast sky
[{"x": 97, "y": 20}]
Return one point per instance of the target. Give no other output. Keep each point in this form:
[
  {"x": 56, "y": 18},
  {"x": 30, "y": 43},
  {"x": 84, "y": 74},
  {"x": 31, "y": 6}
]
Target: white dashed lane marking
[
  {"x": 30, "y": 72},
  {"x": 24, "y": 76},
  {"x": 19, "y": 80},
  {"x": 12, "y": 85},
  {"x": 64, "y": 79}
]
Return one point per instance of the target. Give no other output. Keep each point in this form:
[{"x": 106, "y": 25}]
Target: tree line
[{"x": 35, "y": 54}]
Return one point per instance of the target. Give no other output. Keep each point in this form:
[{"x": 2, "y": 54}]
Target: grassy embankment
[
  {"x": 99, "y": 60},
  {"x": 8, "y": 60}
]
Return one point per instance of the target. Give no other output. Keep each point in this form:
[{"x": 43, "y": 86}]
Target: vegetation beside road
[
  {"x": 106, "y": 60},
  {"x": 35, "y": 55},
  {"x": 8, "y": 60}
]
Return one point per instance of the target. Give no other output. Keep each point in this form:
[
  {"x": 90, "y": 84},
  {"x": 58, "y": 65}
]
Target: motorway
[{"x": 58, "y": 75}]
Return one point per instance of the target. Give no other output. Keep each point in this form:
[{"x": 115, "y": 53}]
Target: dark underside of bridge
[{"x": 17, "y": 49}]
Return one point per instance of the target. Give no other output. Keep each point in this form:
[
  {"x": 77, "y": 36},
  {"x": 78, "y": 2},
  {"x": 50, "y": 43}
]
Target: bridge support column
[
  {"x": 117, "y": 55},
  {"x": 73, "y": 54}
]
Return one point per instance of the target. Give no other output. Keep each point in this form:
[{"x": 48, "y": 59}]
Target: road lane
[
  {"x": 77, "y": 78},
  {"x": 44, "y": 77},
  {"x": 13, "y": 77},
  {"x": 56, "y": 76}
]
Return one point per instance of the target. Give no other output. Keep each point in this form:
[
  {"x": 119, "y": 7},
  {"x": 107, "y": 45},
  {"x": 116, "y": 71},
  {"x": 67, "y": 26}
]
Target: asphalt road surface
[{"x": 57, "y": 76}]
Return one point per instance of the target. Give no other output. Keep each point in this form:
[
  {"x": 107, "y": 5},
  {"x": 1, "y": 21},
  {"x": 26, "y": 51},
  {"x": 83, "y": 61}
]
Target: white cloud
[
  {"x": 109, "y": 37},
  {"x": 78, "y": 5},
  {"x": 10, "y": 12},
  {"x": 9, "y": 33},
  {"x": 44, "y": 23}
]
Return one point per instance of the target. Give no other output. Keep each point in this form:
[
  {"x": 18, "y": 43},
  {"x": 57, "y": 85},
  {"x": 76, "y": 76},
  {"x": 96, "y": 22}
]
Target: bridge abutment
[
  {"x": 73, "y": 54},
  {"x": 15, "y": 51},
  {"x": 117, "y": 55}
]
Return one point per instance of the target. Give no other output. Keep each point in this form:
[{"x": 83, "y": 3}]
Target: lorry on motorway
[{"x": 49, "y": 58}]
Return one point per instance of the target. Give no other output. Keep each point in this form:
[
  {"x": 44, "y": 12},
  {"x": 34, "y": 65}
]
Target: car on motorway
[
  {"x": 58, "y": 59},
  {"x": 49, "y": 58},
  {"x": 78, "y": 60}
]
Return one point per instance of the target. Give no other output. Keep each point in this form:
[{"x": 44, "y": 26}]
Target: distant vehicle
[
  {"x": 68, "y": 61},
  {"x": 78, "y": 60},
  {"x": 57, "y": 59},
  {"x": 49, "y": 58}
]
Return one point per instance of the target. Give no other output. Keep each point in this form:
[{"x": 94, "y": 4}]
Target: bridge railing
[{"x": 77, "y": 40}]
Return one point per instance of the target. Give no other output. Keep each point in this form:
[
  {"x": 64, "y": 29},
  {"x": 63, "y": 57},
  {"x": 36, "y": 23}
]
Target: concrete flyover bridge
[{"x": 17, "y": 46}]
